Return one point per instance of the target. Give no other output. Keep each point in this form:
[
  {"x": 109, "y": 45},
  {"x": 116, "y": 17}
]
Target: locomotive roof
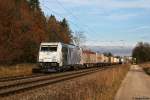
[
  {"x": 56, "y": 43},
  {"x": 49, "y": 43}
]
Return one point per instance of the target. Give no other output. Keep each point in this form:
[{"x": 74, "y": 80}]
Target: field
[
  {"x": 16, "y": 70},
  {"x": 102, "y": 85}
]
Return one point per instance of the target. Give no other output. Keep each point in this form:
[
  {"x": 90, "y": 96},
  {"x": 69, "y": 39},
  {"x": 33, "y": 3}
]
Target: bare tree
[{"x": 79, "y": 38}]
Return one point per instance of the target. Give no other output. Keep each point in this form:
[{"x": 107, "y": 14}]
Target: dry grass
[
  {"x": 102, "y": 85},
  {"x": 16, "y": 70}
]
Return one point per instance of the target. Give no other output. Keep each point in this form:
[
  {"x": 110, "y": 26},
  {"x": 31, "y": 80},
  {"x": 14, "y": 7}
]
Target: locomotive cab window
[{"x": 50, "y": 49}]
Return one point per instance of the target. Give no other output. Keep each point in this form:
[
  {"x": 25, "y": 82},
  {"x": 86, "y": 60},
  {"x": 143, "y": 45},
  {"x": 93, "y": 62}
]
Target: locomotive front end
[{"x": 49, "y": 57}]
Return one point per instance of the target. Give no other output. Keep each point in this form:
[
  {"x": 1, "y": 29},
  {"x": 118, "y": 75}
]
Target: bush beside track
[
  {"x": 16, "y": 70},
  {"x": 146, "y": 67},
  {"x": 147, "y": 70}
]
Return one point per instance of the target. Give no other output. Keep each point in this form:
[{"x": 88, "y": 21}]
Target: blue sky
[{"x": 104, "y": 22}]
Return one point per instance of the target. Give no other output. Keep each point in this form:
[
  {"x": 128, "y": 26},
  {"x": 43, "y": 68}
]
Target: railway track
[
  {"x": 18, "y": 85},
  {"x": 5, "y": 79}
]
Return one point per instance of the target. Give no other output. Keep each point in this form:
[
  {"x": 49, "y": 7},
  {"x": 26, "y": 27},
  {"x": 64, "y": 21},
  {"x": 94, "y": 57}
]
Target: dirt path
[{"x": 136, "y": 85}]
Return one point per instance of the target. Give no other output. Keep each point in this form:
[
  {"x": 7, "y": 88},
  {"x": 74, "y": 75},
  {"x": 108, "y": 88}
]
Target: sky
[{"x": 104, "y": 22}]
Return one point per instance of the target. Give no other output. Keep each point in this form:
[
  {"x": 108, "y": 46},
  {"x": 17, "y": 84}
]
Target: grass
[
  {"x": 16, "y": 70},
  {"x": 146, "y": 67},
  {"x": 99, "y": 86}
]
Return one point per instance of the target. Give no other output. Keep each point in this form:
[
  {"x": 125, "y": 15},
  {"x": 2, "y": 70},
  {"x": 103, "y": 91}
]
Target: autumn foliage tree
[
  {"x": 23, "y": 27},
  {"x": 58, "y": 31}
]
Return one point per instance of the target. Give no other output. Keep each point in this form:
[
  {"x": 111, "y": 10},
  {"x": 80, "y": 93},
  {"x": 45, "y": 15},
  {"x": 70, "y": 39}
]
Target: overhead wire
[
  {"x": 70, "y": 13},
  {"x": 74, "y": 16},
  {"x": 61, "y": 16},
  {"x": 75, "y": 24}
]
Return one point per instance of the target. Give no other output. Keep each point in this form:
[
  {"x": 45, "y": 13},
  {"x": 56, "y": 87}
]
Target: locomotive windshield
[{"x": 49, "y": 48}]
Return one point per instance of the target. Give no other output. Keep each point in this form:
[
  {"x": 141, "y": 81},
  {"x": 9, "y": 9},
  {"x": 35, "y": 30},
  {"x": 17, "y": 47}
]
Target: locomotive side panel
[{"x": 74, "y": 55}]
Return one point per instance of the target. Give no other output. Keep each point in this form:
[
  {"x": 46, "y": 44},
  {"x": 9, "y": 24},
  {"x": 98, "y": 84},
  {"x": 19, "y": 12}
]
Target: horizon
[{"x": 115, "y": 50}]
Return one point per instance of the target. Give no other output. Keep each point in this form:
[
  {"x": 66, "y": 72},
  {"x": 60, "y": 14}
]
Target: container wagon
[{"x": 88, "y": 58}]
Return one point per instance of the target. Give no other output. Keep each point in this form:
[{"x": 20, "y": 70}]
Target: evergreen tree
[
  {"x": 35, "y": 5},
  {"x": 53, "y": 30},
  {"x": 64, "y": 23},
  {"x": 66, "y": 32},
  {"x": 108, "y": 54}
]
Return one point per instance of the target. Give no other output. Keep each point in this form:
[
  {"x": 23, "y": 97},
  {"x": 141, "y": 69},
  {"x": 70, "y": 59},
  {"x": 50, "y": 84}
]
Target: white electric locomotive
[{"x": 58, "y": 56}]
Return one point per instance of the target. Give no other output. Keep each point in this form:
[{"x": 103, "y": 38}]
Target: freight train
[{"x": 58, "y": 56}]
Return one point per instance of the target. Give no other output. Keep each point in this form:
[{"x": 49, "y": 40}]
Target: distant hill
[{"x": 115, "y": 50}]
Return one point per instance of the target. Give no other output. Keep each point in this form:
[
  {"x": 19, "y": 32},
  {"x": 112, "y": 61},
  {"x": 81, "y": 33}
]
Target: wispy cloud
[
  {"x": 130, "y": 4},
  {"x": 110, "y": 43},
  {"x": 121, "y": 16},
  {"x": 103, "y": 7},
  {"x": 113, "y": 4},
  {"x": 139, "y": 29}
]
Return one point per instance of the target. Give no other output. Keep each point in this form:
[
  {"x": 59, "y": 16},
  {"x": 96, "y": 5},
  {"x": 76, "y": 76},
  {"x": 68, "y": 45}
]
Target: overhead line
[
  {"x": 63, "y": 17},
  {"x": 74, "y": 16},
  {"x": 76, "y": 25}
]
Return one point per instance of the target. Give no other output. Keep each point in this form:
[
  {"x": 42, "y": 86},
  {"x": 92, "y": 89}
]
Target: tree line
[
  {"x": 142, "y": 52},
  {"x": 23, "y": 26}
]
